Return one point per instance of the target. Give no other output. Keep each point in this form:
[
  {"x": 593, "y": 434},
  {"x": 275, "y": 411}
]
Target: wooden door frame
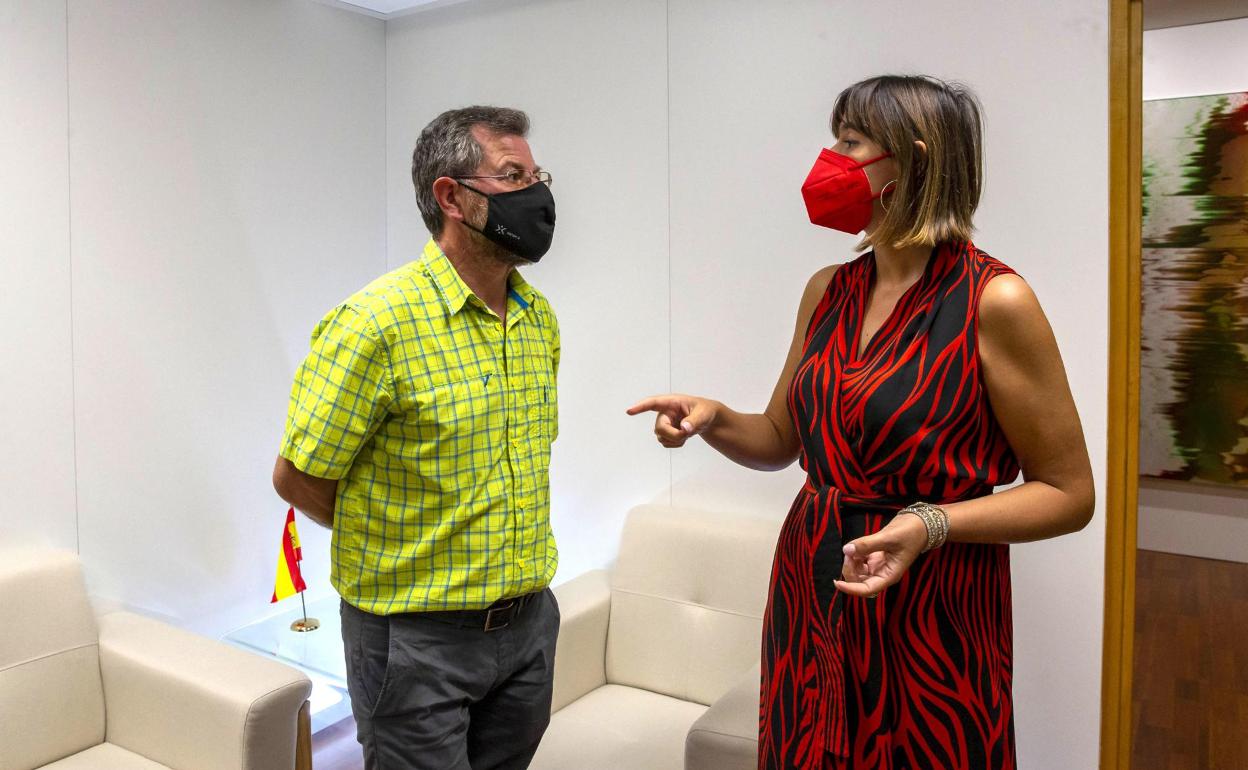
[{"x": 1126, "y": 39}]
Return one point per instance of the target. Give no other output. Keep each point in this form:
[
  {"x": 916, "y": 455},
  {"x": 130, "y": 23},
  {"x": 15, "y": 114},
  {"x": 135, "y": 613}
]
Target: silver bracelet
[{"x": 935, "y": 519}]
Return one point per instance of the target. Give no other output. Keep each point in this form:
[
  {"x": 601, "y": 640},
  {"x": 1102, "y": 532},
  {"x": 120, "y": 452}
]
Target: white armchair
[
  {"x": 657, "y": 662},
  {"x": 123, "y": 691}
]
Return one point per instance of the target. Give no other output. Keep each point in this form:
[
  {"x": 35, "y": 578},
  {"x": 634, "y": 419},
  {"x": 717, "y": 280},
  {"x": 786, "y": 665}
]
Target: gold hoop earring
[{"x": 883, "y": 190}]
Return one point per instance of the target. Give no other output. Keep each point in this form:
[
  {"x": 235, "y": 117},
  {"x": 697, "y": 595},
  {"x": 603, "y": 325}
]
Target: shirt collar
[
  {"x": 519, "y": 290},
  {"x": 450, "y": 286},
  {"x": 455, "y": 293}
]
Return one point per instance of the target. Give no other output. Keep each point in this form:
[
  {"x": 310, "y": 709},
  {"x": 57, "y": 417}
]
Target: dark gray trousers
[{"x": 431, "y": 692}]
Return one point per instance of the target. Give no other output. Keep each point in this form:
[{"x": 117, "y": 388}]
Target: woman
[{"x": 920, "y": 376}]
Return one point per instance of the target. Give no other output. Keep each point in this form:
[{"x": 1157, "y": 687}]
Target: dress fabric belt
[{"x": 833, "y": 518}]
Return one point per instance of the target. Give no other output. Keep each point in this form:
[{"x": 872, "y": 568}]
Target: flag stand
[
  {"x": 289, "y": 580},
  {"x": 305, "y": 623}
]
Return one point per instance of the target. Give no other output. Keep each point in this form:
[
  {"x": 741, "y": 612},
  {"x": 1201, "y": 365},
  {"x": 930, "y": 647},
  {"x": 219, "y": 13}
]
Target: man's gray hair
[{"x": 447, "y": 148}]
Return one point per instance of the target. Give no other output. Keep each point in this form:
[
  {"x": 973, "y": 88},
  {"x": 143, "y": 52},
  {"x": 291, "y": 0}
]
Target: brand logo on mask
[{"x": 500, "y": 230}]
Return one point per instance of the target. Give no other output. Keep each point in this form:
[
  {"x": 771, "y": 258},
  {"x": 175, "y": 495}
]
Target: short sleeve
[{"x": 342, "y": 392}]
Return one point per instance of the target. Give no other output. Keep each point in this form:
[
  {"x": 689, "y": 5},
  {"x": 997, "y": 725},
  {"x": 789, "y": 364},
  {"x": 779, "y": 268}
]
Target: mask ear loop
[{"x": 883, "y": 190}]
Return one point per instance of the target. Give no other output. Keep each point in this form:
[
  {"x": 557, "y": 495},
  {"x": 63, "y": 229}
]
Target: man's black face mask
[{"x": 521, "y": 221}]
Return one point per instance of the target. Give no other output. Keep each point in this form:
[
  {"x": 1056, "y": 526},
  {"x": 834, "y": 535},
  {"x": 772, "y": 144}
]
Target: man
[{"x": 419, "y": 429}]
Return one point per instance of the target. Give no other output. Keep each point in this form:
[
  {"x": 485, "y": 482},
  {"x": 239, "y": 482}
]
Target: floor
[
  {"x": 1191, "y": 670},
  {"x": 335, "y": 748},
  {"x": 1190, "y": 687}
]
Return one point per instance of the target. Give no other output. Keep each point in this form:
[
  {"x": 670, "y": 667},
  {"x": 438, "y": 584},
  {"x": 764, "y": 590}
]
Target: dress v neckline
[{"x": 861, "y": 351}]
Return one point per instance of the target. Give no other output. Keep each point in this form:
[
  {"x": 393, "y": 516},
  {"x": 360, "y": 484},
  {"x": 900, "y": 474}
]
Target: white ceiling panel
[{"x": 389, "y": 9}]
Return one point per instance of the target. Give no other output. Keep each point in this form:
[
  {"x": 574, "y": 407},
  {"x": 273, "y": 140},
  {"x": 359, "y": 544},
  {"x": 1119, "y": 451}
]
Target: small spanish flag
[{"x": 289, "y": 580}]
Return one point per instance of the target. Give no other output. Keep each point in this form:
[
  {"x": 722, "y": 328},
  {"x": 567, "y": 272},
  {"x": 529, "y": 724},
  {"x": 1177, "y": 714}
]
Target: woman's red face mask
[{"x": 838, "y": 194}]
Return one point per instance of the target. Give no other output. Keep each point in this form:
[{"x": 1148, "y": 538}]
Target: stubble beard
[{"x": 489, "y": 250}]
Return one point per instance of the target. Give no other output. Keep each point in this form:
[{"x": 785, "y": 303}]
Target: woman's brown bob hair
[{"x": 936, "y": 193}]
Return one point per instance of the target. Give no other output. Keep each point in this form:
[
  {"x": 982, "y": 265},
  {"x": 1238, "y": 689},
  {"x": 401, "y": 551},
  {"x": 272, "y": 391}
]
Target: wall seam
[
  {"x": 667, "y": 74},
  {"x": 385, "y": 150},
  {"x": 69, "y": 222}
]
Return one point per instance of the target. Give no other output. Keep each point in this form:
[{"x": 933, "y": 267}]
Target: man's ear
[{"x": 446, "y": 192}]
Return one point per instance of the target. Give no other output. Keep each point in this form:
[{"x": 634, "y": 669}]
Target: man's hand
[{"x": 312, "y": 495}]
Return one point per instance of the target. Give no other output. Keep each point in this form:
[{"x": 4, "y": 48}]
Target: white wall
[
  {"x": 228, "y": 189},
  {"x": 1196, "y": 60},
  {"x": 1202, "y": 520},
  {"x": 36, "y": 377},
  {"x": 218, "y": 169},
  {"x": 696, "y": 120},
  {"x": 1195, "y": 520}
]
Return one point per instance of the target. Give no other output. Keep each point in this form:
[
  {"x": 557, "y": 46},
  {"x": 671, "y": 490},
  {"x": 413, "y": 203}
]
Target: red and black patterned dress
[{"x": 918, "y": 677}]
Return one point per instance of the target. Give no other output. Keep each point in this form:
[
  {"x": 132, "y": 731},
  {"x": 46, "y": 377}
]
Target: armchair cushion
[
  {"x": 687, "y": 602},
  {"x": 681, "y": 622},
  {"x": 726, "y": 736},
  {"x": 618, "y": 727},
  {"x": 106, "y": 756}
]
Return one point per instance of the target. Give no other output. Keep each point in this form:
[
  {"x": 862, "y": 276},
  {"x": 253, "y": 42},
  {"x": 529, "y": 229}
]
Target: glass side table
[{"x": 317, "y": 653}]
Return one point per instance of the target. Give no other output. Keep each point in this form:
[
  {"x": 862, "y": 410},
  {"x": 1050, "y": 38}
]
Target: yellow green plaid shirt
[{"x": 437, "y": 422}]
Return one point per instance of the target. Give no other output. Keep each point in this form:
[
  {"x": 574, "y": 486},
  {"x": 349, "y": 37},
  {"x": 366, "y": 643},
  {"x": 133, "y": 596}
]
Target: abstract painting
[{"x": 1194, "y": 290}]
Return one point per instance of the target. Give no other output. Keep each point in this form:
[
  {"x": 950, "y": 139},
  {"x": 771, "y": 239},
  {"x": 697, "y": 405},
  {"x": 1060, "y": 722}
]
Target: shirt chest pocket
[{"x": 455, "y": 418}]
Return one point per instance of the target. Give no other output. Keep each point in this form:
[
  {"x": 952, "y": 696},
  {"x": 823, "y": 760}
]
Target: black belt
[{"x": 496, "y": 617}]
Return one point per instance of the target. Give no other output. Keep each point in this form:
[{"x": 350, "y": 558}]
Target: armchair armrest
[
  {"x": 726, "y": 736},
  {"x": 191, "y": 702},
  {"x": 581, "y": 652}
]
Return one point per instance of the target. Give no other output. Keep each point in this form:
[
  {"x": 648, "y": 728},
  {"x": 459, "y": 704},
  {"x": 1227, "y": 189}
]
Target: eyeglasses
[{"x": 518, "y": 178}]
